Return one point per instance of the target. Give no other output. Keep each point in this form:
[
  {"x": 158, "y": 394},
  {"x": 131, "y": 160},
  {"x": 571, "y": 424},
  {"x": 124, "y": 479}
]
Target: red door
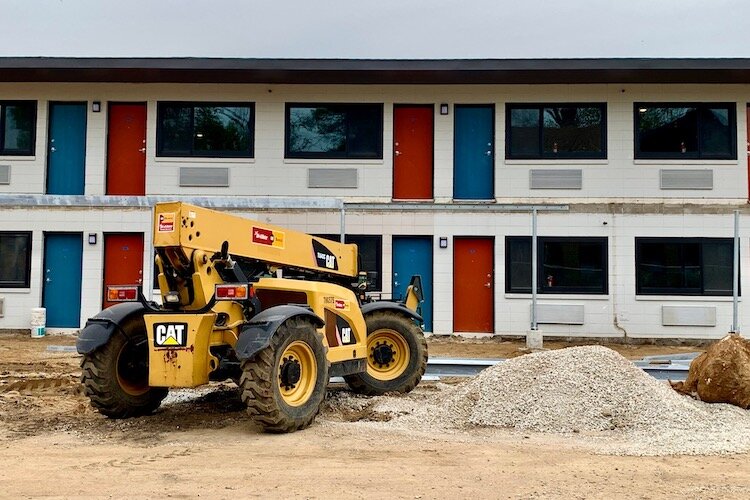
[
  {"x": 123, "y": 261},
  {"x": 126, "y": 149},
  {"x": 473, "y": 296},
  {"x": 412, "y": 152}
]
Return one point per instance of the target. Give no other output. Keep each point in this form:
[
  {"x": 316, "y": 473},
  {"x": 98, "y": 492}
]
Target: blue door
[
  {"x": 66, "y": 148},
  {"x": 413, "y": 255},
  {"x": 474, "y": 153},
  {"x": 62, "y": 279}
]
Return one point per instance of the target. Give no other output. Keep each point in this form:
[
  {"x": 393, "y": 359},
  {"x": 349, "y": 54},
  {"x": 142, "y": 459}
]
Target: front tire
[
  {"x": 284, "y": 385},
  {"x": 396, "y": 355},
  {"x": 115, "y": 376}
]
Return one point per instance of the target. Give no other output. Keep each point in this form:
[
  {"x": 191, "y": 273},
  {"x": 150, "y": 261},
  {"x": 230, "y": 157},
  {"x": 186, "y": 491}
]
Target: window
[
  {"x": 17, "y": 128},
  {"x": 334, "y": 131},
  {"x": 547, "y": 131},
  {"x": 565, "y": 265},
  {"x": 370, "y": 250},
  {"x": 211, "y": 130},
  {"x": 15, "y": 265},
  {"x": 685, "y": 131},
  {"x": 684, "y": 266}
]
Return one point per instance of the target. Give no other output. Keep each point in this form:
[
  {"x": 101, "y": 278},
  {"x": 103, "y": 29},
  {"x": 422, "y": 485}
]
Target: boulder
[{"x": 721, "y": 374}]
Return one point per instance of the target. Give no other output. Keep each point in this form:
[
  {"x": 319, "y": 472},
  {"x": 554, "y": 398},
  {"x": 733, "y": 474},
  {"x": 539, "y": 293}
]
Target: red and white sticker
[
  {"x": 264, "y": 236},
  {"x": 166, "y": 222},
  {"x": 341, "y": 304}
]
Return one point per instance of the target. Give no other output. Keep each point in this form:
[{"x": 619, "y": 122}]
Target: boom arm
[{"x": 181, "y": 228}]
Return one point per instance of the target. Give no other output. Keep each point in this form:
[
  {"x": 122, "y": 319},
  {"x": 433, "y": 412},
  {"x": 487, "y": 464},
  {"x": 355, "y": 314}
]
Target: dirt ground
[{"x": 52, "y": 444}]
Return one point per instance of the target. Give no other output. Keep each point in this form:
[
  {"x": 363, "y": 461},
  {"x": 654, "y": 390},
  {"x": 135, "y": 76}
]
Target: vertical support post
[
  {"x": 736, "y": 273},
  {"x": 343, "y": 223},
  {"x": 534, "y": 278}
]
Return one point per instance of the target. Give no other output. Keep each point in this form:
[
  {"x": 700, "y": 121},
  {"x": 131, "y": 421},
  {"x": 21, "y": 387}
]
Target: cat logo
[{"x": 170, "y": 335}]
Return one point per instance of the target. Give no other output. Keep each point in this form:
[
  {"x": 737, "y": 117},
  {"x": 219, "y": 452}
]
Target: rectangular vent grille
[
  {"x": 332, "y": 177},
  {"x": 688, "y": 315},
  {"x": 556, "y": 179},
  {"x": 204, "y": 176},
  {"x": 4, "y": 174},
  {"x": 559, "y": 314},
  {"x": 686, "y": 179}
]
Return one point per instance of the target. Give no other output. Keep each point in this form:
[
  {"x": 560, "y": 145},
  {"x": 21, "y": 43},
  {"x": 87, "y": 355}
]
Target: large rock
[{"x": 721, "y": 374}]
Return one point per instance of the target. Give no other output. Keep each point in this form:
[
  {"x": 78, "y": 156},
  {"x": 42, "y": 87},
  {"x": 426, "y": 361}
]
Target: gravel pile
[{"x": 590, "y": 394}]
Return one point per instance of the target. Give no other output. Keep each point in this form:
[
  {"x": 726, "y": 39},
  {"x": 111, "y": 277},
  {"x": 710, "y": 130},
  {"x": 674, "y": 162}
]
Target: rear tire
[
  {"x": 284, "y": 385},
  {"x": 396, "y": 355},
  {"x": 115, "y": 376}
]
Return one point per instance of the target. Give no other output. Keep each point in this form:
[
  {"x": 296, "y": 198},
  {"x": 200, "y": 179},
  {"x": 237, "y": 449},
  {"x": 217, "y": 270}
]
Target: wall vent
[
  {"x": 4, "y": 174},
  {"x": 556, "y": 179},
  {"x": 559, "y": 314},
  {"x": 204, "y": 176},
  {"x": 332, "y": 178},
  {"x": 688, "y": 315},
  {"x": 686, "y": 179}
]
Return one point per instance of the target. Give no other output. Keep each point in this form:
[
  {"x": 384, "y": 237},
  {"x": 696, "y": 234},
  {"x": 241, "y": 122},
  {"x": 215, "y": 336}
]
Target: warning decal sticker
[{"x": 166, "y": 222}]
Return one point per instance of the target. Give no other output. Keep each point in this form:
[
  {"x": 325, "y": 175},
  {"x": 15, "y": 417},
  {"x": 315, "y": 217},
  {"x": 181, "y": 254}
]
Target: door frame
[
  {"x": 431, "y": 106},
  {"x": 494, "y": 148},
  {"x": 44, "y": 272},
  {"x": 106, "y": 139},
  {"x": 494, "y": 280},
  {"x": 425, "y": 237},
  {"x": 49, "y": 133}
]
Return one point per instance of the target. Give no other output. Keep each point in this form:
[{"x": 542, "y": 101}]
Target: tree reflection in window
[
  {"x": 17, "y": 127},
  {"x": 556, "y": 131},
  {"x": 685, "y": 131},
  {"x": 208, "y": 130},
  {"x": 334, "y": 131}
]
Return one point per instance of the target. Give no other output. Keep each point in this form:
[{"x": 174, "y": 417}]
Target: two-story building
[{"x": 430, "y": 166}]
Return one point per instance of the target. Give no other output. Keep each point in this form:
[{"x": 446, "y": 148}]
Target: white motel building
[{"x": 636, "y": 167}]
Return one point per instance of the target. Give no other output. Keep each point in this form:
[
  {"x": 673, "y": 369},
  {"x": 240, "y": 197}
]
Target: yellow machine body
[{"x": 180, "y": 342}]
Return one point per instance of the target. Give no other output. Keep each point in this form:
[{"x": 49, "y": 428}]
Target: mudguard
[
  {"x": 386, "y": 305},
  {"x": 101, "y": 327},
  {"x": 256, "y": 334}
]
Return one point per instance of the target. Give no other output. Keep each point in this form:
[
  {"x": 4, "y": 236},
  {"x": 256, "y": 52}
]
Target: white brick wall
[{"x": 619, "y": 177}]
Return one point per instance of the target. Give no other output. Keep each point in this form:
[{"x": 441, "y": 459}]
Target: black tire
[
  {"x": 262, "y": 380},
  {"x": 390, "y": 324},
  {"x": 115, "y": 376}
]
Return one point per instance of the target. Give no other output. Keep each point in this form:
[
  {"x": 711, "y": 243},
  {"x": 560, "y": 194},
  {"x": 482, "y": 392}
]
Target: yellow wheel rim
[
  {"x": 387, "y": 354},
  {"x": 297, "y": 373}
]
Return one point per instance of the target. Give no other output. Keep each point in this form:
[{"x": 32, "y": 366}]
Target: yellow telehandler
[{"x": 278, "y": 311}]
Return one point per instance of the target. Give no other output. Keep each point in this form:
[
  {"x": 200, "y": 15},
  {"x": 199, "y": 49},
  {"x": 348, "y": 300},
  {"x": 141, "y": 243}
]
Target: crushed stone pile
[{"x": 589, "y": 393}]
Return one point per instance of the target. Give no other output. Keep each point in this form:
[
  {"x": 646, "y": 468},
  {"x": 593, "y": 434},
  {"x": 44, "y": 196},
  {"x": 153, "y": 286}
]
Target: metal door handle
[
  {"x": 52, "y": 149},
  {"x": 395, "y": 283},
  {"x": 397, "y": 153},
  {"x": 142, "y": 150},
  {"x": 488, "y": 153},
  {"x": 488, "y": 285},
  {"x": 48, "y": 280}
]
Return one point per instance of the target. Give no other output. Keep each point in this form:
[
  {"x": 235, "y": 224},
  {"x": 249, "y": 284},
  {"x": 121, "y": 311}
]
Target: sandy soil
[{"x": 53, "y": 444}]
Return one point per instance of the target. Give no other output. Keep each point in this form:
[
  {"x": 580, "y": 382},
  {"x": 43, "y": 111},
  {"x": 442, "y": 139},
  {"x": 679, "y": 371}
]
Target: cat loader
[{"x": 277, "y": 311}]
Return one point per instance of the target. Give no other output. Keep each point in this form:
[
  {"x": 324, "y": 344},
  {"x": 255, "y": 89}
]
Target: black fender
[
  {"x": 256, "y": 334},
  {"x": 387, "y": 305},
  {"x": 100, "y": 328}
]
